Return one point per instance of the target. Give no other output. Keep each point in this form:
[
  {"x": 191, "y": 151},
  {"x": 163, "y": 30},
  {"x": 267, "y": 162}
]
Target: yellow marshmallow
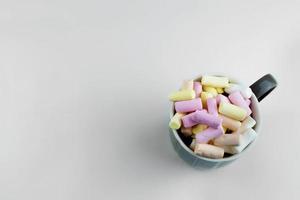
[
  {"x": 215, "y": 81},
  {"x": 182, "y": 95},
  {"x": 224, "y": 129},
  {"x": 187, "y": 85},
  {"x": 211, "y": 90},
  {"x": 199, "y": 128},
  {"x": 232, "y": 111},
  {"x": 175, "y": 122},
  {"x": 204, "y": 96},
  {"x": 220, "y": 90}
]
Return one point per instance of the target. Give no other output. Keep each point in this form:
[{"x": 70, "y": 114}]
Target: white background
[{"x": 83, "y": 97}]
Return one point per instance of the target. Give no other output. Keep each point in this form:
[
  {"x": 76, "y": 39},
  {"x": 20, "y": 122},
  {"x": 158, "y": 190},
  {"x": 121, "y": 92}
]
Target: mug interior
[{"x": 255, "y": 115}]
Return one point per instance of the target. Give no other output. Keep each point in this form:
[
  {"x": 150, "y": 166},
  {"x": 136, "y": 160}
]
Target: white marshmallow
[
  {"x": 245, "y": 139},
  {"x": 248, "y": 122},
  {"x": 246, "y": 92}
]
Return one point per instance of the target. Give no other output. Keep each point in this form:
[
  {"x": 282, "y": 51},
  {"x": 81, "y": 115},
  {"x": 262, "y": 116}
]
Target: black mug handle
[{"x": 263, "y": 86}]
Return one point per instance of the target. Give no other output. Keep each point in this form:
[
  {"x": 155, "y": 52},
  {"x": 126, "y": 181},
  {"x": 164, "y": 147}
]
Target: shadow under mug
[{"x": 261, "y": 88}]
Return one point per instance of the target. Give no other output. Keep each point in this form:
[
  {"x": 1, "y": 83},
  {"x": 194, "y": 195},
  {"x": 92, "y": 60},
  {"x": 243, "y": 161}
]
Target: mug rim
[{"x": 257, "y": 118}]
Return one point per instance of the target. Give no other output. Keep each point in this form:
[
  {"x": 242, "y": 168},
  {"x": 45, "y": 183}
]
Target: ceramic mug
[{"x": 261, "y": 88}]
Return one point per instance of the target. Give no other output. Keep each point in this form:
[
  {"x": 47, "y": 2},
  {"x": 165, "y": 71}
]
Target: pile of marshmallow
[{"x": 216, "y": 114}]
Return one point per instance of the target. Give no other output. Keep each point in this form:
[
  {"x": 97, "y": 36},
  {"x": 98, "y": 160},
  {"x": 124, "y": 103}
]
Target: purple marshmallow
[
  {"x": 201, "y": 117},
  {"x": 187, "y": 120},
  {"x": 209, "y": 134},
  {"x": 188, "y": 106}
]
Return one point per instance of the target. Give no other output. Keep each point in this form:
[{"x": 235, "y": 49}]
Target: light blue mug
[{"x": 261, "y": 88}]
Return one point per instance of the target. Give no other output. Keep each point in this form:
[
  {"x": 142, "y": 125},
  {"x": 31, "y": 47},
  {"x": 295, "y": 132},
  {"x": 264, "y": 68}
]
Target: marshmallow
[
  {"x": 211, "y": 90},
  {"x": 209, "y": 134},
  {"x": 186, "y": 131},
  {"x": 201, "y": 117},
  {"x": 246, "y": 92},
  {"x": 221, "y": 97},
  {"x": 193, "y": 144},
  {"x": 204, "y": 96},
  {"x": 220, "y": 90},
  {"x": 237, "y": 99},
  {"x": 230, "y": 123},
  {"x": 197, "y": 88},
  {"x": 212, "y": 106},
  {"x": 175, "y": 122},
  {"x": 245, "y": 139},
  {"x": 182, "y": 95},
  {"x": 209, "y": 151},
  {"x": 199, "y": 128},
  {"x": 248, "y": 102},
  {"x": 187, "y": 85},
  {"x": 249, "y": 122},
  {"x": 188, "y": 121},
  {"x": 232, "y": 111},
  {"x": 232, "y": 87},
  {"x": 227, "y": 139},
  {"x": 215, "y": 81},
  {"x": 224, "y": 129},
  {"x": 188, "y": 106}
]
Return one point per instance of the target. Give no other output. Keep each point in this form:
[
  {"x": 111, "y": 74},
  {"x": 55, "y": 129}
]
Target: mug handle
[{"x": 263, "y": 86}]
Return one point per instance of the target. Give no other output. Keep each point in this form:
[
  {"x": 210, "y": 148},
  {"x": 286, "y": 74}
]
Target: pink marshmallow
[
  {"x": 248, "y": 102},
  {"x": 188, "y": 121},
  {"x": 212, "y": 106},
  {"x": 222, "y": 98},
  {"x": 188, "y": 106},
  {"x": 197, "y": 88},
  {"x": 208, "y": 134},
  {"x": 201, "y": 117},
  {"x": 237, "y": 99}
]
